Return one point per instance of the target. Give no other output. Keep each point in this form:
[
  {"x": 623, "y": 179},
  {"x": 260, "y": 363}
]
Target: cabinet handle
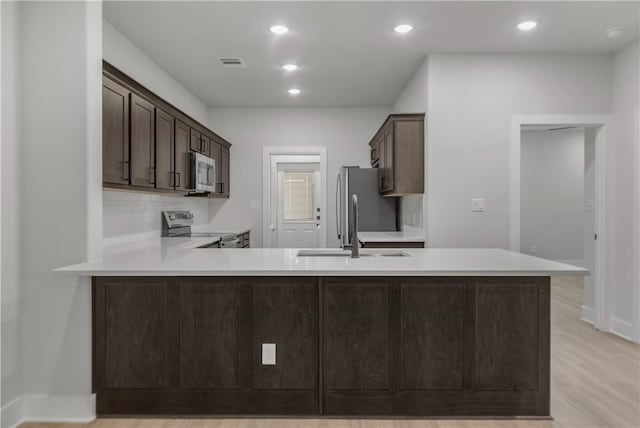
[
  {"x": 221, "y": 187},
  {"x": 179, "y": 179},
  {"x": 126, "y": 174},
  {"x": 152, "y": 175}
]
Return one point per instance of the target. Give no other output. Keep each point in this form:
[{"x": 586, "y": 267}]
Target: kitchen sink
[{"x": 345, "y": 253}]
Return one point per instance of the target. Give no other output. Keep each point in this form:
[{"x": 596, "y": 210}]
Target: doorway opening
[
  {"x": 294, "y": 197},
  {"x": 557, "y": 198}
]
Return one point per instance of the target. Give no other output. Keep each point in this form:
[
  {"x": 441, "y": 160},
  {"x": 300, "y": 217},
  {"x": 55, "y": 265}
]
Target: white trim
[
  {"x": 12, "y": 414},
  {"x": 48, "y": 408},
  {"x": 267, "y": 153},
  {"x": 576, "y": 262},
  {"x": 601, "y": 319},
  {"x": 636, "y": 221},
  {"x": 621, "y": 328},
  {"x": 588, "y": 315}
]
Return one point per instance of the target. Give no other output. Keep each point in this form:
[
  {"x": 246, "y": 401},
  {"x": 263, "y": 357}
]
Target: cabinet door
[
  {"x": 214, "y": 153},
  {"x": 142, "y": 142},
  {"x": 506, "y": 335},
  {"x": 389, "y": 166},
  {"x": 182, "y": 166},
  {"x": 223, "y": 175},
  {"x": 381, "y": 164},
  {"x": 134, "y": 334},
  {"x": 356, "y": 335},
  {"x": 115, "y": 133},
  {"x": 165, "y": 148},
  {"x": 374, "y": 153},
  {"x": 196, "y": 141},
  {"x": 210, "y": 334},
  {"x": 432, "y": 335},
  {"x": 285, "y": 312},
  {"x": 205, "y": 145}
]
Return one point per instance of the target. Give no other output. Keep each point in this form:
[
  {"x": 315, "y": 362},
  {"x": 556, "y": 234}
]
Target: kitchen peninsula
[{"x": 181, "y": 330}]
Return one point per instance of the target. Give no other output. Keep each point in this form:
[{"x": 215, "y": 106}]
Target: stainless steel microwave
[{"x": 202, "y": 173}]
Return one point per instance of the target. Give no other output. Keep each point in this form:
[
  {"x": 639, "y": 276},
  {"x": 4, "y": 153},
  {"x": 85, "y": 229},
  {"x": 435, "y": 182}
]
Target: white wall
[
  {"x": 11, "y": 379},
  {"x": 623, "y": 192},
  {"x": 344, "y": 131},
  {"x": 133, "y": 215},
  {"x": 471, "y": 100},
  {"x": 413, "y": 99},
  {"x": 123, "y": 54},
  {"x": 59, "y": 91},
  {"x": 552, "y": 194},
  {"x": 129, "y": 216}
]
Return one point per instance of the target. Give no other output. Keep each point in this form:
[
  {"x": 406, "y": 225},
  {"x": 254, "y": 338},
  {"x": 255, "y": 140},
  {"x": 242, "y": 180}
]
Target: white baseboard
[
  {"x": 47, "y": 408},
  {"x": 588, "y": 315},
  {"x": 579, "y": 263},
  {"x": 12, "y": 414},
  {"x": 621, "y": 328}
]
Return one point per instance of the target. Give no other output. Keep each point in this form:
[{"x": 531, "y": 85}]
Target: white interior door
[{"x": 297, "y": 199}]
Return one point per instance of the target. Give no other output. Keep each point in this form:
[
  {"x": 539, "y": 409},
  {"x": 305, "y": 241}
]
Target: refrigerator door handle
[{"x": 338, "y": 200}]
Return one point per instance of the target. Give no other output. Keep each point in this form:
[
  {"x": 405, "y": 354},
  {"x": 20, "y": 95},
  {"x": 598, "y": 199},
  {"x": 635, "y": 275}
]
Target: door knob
[{"x": 272, "y": 227}]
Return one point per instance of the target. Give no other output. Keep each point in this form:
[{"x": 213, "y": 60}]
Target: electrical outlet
[
  {"x": 268, "y": 354},
  {"x": 477, "y": 204},
  {"x": 533, "y": 249}
]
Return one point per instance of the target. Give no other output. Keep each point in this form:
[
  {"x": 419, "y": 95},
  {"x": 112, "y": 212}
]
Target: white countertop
[
  {"x": 181, "y": 257},
  {"x": 400, "y": 236},
  {"x": 206, "y": 228}
]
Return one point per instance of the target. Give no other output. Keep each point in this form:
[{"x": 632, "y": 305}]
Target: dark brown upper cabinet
[
  {"x": 195, "y": 141},
  {"x": 206, "y": 145},
  {"x": 397, "y": 150},
  {"x": 165, "y": 151},
  {"x": 115, "y": 132},
  {"x": 147, "y": 142},
  {"x": 223, "y": 175},
  {"x": 181, "y": 156},
  {"x": 142, "y": 142}
]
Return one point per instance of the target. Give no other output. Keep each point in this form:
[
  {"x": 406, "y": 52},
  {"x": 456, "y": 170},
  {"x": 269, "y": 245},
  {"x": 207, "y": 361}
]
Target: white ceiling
[{"x": 348, "y": 53}]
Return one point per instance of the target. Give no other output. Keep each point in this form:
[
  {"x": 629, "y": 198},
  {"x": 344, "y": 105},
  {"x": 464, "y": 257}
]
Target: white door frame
[
  {"x": 267, "y": 153},
  {"x": 601, "y": 304}
]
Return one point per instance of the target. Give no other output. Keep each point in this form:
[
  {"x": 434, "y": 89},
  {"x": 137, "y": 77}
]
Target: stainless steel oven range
[{"x": 178, "y": 224}]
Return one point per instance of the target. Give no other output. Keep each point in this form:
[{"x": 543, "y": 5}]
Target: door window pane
[{"x": 298, "y": 196}]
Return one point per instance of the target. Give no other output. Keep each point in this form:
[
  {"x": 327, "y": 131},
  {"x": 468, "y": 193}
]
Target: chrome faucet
[{"x": 355, "y": 242}]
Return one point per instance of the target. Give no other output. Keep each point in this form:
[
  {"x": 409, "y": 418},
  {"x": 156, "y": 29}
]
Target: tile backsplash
[
  {"x": 411, "y": 212},
  {"x": 130, "y": 216}
]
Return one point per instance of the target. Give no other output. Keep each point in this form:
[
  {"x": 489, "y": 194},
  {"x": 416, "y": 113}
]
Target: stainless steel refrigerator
[{"x": 377, "y": 214}]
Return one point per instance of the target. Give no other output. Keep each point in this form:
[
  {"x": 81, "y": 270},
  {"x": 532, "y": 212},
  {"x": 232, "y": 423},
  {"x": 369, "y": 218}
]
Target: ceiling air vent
[{"x": 232, "y": 61}]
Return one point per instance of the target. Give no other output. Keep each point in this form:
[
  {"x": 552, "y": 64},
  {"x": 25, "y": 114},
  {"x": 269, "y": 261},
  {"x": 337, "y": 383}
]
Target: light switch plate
[
  {"x": 477, "y": 204},
  {"x": 255, "y": 205},
  {"x": 591, "y": 204},
  {"x": 268, "y": 354}
]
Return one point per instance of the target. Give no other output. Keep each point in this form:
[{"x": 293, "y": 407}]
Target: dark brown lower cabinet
[
  {"x": 358, "y": 346},
  {"x": 436, "y": 346},
  {"x": 192, "y": 346}
]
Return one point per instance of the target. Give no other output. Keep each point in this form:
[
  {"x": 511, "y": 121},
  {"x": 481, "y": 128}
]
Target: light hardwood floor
[{"x": 595, "y": 383}]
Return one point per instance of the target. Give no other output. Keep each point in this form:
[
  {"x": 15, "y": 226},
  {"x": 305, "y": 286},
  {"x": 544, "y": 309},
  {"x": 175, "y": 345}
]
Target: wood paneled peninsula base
[{"x": 345, "y": 346}]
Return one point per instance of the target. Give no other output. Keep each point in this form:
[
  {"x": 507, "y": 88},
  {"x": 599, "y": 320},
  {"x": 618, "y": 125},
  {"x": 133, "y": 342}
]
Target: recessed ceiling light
[
  {"x": 527, "y": 25},
  {"x": 294, "y": 91},
  {"x": 615, "y": 32},
  {"x": 279, "y": 29},
  {"x": 403, "y": 28},
  {"x": 290, "y": 67}
]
